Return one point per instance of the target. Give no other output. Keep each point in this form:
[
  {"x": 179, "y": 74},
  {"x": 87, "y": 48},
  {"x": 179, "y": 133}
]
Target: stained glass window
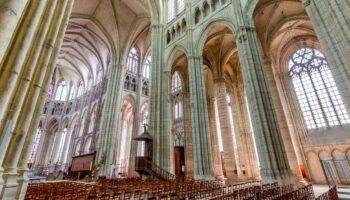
[
  {"x": 174, "y": 7},
  {"x": 146, "y": 68},
  {"x": 171, "y": 10},
  {"x": 317, "y": 93},
  {"x": 35, "y": 145},
  {"x": 61, "y": 91},
  {"x": 133, "y": 61},
  {"x": 180, "y": 6},
  {"x": 176, "y": 82}
]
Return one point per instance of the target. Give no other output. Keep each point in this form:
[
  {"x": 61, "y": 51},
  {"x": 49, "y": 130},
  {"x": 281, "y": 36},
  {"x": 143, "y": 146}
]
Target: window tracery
[
  {"x": 178, "y": 120},
  {"x": 174, "y": 7},
  {"x": 61, "y": 91},
  {"x": 35, "y": 145},
  {"x": 317, "y": 93},
  {"x": 146, "y": 68},
  {"x": 133, "y": 61}
]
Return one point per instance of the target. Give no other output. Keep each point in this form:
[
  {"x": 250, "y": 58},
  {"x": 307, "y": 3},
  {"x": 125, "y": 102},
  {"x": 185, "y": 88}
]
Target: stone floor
[{"x": 343, "y": 191}]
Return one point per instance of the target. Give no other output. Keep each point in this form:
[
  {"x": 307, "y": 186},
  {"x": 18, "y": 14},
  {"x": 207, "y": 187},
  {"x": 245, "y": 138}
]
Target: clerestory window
[
  {"x": 317, "y": 93},
  {"x": 133, "y": 61},
  {"x": 174, "y": 8},
  {"x": 61, "y": 91}
]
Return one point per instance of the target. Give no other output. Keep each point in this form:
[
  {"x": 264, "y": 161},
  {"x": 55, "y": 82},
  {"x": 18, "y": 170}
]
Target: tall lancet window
[
  {"x": 35, "y": 144},
  {"x": 132, "y": 70},
  {"x": 180, "y": 6},
  {"x": 177, "y": 105},
  {"x": 146, "y": 68},
  {"x": 61, "y": 91},
  {"x": 133, "y": 61},
  {"x": 174, "y": 7},
  {"x": 171, "y": 10},
  {"x": 317, "y": 93},
  {"x": 145, "y": 76}
]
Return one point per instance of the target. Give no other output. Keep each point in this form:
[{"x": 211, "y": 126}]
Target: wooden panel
[
  {"x": 83, "y": 162},
  {"x": 179, "y": 160}
]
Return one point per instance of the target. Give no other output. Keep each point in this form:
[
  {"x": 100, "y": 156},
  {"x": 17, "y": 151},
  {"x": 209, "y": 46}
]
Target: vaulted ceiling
[{"x": 97, "y": 31}]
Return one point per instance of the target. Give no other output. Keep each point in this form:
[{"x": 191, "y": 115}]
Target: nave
[{"x": 206, "y": 91}]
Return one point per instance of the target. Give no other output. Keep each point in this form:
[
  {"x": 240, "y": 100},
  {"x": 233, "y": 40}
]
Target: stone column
[
  {"x": 245, "y": 143},
  {"x": 71, "y": 144},
  {"x": 107, "y": 140},
  {"x": 14, "y": 64},
  {"x": 289, "y": 140},
  {"x": 10, "y": 70},
  {"x": 330, "y": 20},
  {"x": 136, "y": 124},
  {"x": 203, "y": 165},
  {"x": 225, "y": 127},
  {"x": 42, "y": 149},
  {"x": 217, "y": 164},
  {"x": 10, "y": 14},
  {"x": 119, "y": 138},
  {"x": 272, "y": 154},
  {"x": 28, "y": 93},
  {"x": 159, "y": 111},
  {"x": 65, "y": 147},
  {"x": 188, "y": 135}
]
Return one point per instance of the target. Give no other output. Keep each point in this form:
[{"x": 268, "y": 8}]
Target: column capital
[{"x": 241, "y": 32}]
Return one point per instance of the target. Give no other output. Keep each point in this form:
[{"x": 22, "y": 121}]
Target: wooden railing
[{"x": 145, "y": 165}]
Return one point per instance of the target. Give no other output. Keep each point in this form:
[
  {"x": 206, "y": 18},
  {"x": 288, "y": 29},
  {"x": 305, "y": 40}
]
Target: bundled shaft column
[
  {"x": 225, "y": 127},
  {"x": 203, "y": 166},
  {"x": 271, "y": 150},
  {"x": 36, "y": 71},
  {"x": 245, "y": 144},
  {"x": 10, "y": 14}
]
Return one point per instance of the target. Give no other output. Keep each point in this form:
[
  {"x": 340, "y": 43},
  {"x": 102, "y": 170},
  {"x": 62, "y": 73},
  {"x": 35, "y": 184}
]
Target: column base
[
  {"x": 10, "y": 186},
  {"x": 22, "y": 181}
]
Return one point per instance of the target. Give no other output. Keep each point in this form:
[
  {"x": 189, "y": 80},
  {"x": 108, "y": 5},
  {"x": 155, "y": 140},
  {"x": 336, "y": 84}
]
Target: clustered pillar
[
  {"x": 202, "y": 150},
  {"x": 272, "y": 155},
  {"x": 225, "y": 127},
  {"x": 26, "y": 70},
  {"x": 216, "y": 155},
  {"x": 245, "y": 144},
  {"x": 159, "y": 112}
]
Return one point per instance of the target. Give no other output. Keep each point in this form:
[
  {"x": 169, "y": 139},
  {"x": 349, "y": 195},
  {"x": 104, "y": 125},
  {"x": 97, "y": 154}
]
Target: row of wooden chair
[
  {"x": 271, "y": 192},
  {"x": 170, "y": 190},
  {"x": 332, "y": 194}
]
